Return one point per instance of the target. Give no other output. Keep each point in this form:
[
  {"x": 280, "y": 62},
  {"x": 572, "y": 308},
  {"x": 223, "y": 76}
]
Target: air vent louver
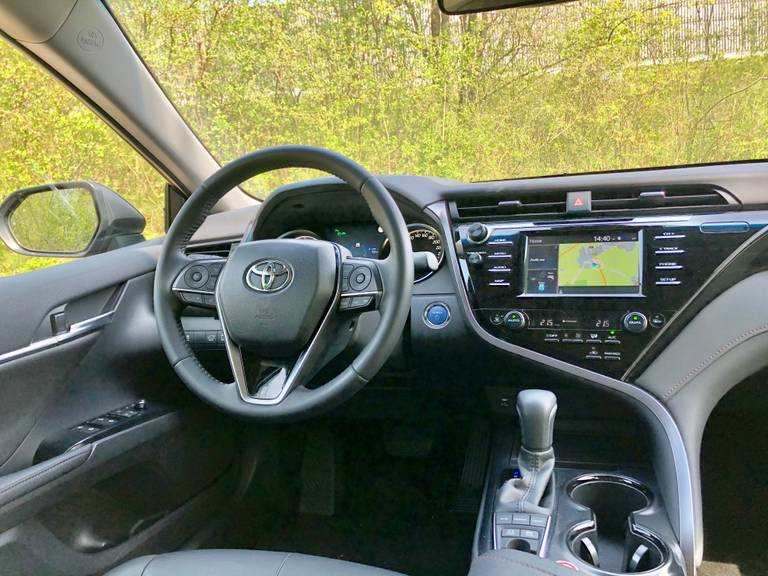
[
  {"x": 219, "y": 249},
  {"x": 624, "y": 202}
]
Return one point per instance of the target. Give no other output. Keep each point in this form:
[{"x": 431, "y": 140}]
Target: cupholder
[{"x": 611, "y": 543}]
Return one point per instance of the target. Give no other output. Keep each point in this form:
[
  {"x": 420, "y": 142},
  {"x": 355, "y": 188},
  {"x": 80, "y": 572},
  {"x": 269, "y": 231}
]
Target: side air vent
[
  {"x": 220, "y": 249},
  {"x": 605, "y": 202}
]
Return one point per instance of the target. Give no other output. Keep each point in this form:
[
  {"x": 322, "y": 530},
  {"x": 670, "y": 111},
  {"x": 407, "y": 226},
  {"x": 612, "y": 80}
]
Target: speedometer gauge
[{"x": 423, "y": 239}]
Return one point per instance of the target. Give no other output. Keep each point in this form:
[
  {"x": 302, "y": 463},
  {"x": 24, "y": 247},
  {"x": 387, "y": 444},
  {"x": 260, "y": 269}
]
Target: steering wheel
[{"x": 287, "y": 307}]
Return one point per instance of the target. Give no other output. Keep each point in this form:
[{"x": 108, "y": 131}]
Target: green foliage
[
  {"x": 585, "y": 86},
  {"x": 47, "y": 135},
  {"x": 582, "y": 86}
]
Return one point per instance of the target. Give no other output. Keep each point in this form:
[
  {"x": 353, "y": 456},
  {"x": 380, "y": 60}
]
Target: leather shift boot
[{"x": 525, "y": 494}]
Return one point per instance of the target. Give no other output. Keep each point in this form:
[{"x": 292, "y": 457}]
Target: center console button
[
  {"x": 657, "y": 320},
  {"x": 503, "y": 518},
  {"x": 521, "y": 519},
  {"x": 515, "y": 320},
  {"x": 635, "y": 322},
  {"x": 496, "y": 318},
  {"x": 538, "y": 520},
  {"x": 475, "y": 259}
]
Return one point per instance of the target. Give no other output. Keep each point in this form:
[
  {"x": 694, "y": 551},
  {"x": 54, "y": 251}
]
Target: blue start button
[{"x": 437, "y": 315}]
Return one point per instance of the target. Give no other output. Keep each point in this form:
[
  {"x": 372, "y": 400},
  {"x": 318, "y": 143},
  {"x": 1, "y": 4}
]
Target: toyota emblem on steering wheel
[{"x": 269, "y": 275}]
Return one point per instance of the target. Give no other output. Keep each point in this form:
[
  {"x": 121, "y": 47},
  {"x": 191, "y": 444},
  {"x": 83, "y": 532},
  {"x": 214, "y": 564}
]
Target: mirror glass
[{"x": 56, "y": 221}]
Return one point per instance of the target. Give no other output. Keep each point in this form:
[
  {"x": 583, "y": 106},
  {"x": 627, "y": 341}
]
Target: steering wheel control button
[
  {"x": 478, "y": 233},
  {"x": 360, "y": 278},
  {"x": 192, "y": 297},
  {"x": 657, "y": 320},
  {"x": 515, "y": 320},
  {"x": 437, "y": 315},
  {"x": 361, "y": 301},
  {"x": 635, "y": 322},
  {"x": 196, "y": 277}
]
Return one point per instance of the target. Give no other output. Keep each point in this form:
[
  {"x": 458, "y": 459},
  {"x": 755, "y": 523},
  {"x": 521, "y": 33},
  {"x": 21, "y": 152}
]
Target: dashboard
[{"x": 595, "y": 272}]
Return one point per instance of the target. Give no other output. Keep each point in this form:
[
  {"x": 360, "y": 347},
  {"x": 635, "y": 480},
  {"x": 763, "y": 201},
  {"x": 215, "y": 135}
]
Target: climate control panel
[{"x": 605, "y": 341}]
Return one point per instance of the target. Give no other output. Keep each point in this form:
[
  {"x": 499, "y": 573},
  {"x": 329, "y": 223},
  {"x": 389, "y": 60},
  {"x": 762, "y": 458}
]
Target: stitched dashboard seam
[
  {"x": 282, "y": 564},
  {"x": 146, "y": 566},
  {"x": 714, "y": 356}
]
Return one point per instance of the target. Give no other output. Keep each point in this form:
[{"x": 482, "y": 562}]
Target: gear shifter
[
  {"x": 536, "y": 410},
  {"x": 536, "y": 459}
]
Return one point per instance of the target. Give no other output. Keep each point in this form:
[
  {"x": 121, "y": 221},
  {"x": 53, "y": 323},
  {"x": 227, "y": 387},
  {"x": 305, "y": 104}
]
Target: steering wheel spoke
[{"x": 196, "y": 282}]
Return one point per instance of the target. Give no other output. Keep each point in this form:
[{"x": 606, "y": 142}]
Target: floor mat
[
  {"x": 735, "y": 492},
  {"x": 392, "y": 511}
]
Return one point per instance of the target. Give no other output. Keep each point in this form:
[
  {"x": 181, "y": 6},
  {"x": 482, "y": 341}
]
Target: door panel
[{"x": 143, "y": 485}]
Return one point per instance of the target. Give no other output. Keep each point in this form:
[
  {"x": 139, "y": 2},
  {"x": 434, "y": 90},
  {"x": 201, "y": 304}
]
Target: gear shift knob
[{"x": 536, "y": 410}]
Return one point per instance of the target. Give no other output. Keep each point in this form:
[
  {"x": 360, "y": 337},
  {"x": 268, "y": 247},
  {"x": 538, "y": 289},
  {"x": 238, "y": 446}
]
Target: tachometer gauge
[
  {"x": 300, "y": 235},
  {"x": 423, "y": 239}
]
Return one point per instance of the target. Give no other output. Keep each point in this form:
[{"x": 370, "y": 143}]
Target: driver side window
[{"x": 49, "y": 136}]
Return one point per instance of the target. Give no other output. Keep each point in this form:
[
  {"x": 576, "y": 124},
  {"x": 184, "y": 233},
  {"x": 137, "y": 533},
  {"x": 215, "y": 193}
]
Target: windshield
[{"x": 401, "y": 88}]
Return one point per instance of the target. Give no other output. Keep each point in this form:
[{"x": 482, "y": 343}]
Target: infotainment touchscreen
[{"x": 591, "y": 264}]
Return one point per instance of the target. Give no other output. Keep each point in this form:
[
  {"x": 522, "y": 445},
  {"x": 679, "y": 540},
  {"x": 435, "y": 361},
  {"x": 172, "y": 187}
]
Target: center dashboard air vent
[{"x": 548, "y": 204}]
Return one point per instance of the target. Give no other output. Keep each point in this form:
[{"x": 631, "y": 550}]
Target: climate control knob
[
  {"x": 635, "y": 322},
  {"x": 477, "y": 233},
  {"x": 515, "y": 320}
]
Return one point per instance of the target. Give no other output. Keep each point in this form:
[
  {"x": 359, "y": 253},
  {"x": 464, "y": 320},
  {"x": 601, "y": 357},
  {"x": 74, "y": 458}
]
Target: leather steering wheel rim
[{"x": 397, "y": 276}]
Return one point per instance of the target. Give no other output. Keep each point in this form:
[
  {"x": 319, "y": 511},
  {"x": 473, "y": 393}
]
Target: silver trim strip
[
  {"x": 76, "y": 330},
  {"x": 686, "y": 521},
  {"x": 580, "y": 223}
]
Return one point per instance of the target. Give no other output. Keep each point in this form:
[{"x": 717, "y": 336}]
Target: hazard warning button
[{"x": 578, "y": 202}]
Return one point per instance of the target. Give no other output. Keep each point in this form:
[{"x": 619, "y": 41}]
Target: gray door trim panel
[
  {"x": 77, "y": 330},
  {"x": 26, "y": 299},
  {"x": 683, "y": 517}
]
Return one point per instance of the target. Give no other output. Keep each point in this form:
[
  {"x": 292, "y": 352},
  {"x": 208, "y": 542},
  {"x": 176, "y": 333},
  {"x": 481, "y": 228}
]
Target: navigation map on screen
[{"x": 583, "y": 265}]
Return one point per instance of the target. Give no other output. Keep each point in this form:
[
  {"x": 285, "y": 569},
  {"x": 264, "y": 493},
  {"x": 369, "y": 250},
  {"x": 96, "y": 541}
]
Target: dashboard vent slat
[
  {"x": 552, "y": 204},
  {"x": 219, "y": 249}
]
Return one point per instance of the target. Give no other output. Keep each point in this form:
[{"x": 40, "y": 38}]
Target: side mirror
[{"x": 68, "y": 219}]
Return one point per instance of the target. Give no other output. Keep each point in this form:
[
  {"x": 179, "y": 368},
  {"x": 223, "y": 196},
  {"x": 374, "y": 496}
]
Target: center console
[
  {"x": 590, "y": 292},
  {"x": 582, "y": 514}
]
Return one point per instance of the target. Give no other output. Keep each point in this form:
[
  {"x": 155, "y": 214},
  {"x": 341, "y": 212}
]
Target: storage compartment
[{"x": 611, "y": 541}]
